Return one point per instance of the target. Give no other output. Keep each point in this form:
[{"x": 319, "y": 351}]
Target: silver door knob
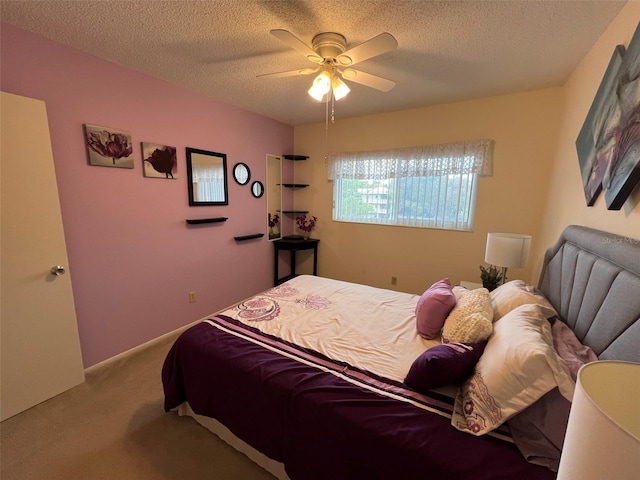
[{"x": 57, "y": 270}]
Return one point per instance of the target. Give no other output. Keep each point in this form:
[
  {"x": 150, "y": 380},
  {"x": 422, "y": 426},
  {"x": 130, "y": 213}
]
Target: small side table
[{"x": 293, "y": 244}]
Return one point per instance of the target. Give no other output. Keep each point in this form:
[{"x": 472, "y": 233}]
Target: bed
[{"x": 309, "y": 379}]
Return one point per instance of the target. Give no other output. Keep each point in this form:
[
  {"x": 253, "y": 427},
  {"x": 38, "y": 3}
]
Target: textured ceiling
[{"x": 448, "y": 50}]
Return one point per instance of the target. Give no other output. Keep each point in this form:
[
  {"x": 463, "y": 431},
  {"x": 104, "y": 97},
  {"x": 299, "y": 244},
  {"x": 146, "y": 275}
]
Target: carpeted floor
[{"x": 114, "y": 427}]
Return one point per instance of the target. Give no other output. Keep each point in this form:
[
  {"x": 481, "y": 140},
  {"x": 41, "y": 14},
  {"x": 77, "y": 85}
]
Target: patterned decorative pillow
[
  {"x": 470, "y": 321},
  {"x": 446, "y": 364},
  {"x": 433, "y": 307},
  {"x": 518, "y": 366},
  {"x": 515, "y": 293}
]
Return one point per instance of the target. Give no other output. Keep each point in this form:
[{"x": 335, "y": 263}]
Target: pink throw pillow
[{"x": 433, "y": 308}]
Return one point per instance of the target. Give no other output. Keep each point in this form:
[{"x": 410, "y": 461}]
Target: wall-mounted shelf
[
  {"x": 248, "y": 237},
  {"x": 196, "y": 221},
  {"x": 295, "y": 185}
]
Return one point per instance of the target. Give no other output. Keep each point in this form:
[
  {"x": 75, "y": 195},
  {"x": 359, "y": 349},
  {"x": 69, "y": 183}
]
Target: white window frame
[{"x": 452, "y": 205}]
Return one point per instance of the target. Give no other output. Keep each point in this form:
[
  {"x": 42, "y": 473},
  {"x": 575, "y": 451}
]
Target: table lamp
[
  {"x": 603, "y": 435},
  {"x": 507, "y": 250}
]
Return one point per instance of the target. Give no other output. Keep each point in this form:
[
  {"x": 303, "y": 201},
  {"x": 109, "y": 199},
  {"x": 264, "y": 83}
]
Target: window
[{"x": 430, "y": 186}]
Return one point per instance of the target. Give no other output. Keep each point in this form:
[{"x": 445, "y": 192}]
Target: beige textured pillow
[{"x": 471, "y": 320}]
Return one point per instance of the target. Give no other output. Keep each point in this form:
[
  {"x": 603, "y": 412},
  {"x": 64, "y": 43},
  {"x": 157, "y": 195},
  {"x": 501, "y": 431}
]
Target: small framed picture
[
  {"x": 108, "y": 147},
  {"x": 159, "y": 161}
]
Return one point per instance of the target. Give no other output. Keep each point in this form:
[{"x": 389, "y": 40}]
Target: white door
[{"x": 39, "y": 346}]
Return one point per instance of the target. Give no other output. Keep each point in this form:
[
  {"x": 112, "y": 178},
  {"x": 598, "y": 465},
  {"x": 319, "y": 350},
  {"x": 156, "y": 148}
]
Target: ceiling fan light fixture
[
  {"x": 321, "y": 86},
  {"x": 340, "y": 89}
]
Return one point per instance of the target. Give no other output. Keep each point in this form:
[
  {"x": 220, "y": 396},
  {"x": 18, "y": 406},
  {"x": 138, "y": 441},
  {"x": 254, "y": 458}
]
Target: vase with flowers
[
  {"x": 306, "y": 225},
  {"x": 274, "y": 220}
]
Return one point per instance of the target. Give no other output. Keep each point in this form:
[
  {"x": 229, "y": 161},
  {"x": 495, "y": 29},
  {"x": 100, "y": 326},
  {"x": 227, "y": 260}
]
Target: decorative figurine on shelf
[
  {"x": 306, "y": 225},
  {"x": 273, "y": 225},
  {"x": 490, "y": 277}
]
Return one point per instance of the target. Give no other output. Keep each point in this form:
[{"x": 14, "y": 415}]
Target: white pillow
[
  {"x": 470, "y": 321},
  {"x": 519, "y": 365},
  {"x": 515, "y": 293},
  {"x": 459, "y": 292}
]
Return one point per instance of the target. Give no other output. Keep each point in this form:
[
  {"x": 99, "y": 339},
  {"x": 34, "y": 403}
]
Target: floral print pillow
[{"x": 519, "y": 365}]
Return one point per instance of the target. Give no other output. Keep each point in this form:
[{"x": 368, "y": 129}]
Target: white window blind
[{"x": 432, "y": 186}]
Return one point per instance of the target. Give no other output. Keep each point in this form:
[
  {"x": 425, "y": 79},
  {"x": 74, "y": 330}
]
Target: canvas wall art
[
  {"x": 593, "y": 142},
  {"x": 108, "y": 147},
  {"x": 159, "y": 161},
  {"x": 622, "y": 174}
]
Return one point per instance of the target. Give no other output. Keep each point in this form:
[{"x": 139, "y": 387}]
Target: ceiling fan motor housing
[
  {"x": 329, "y": 45},
  {"x": 329, "y": 52}
]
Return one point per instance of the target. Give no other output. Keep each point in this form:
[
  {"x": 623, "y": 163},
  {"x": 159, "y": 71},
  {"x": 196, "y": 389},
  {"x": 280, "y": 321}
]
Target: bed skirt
[{"x": 214, "y": 426}]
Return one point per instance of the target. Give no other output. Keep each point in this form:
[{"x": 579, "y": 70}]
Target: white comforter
[{"x": 370, "y": 328}]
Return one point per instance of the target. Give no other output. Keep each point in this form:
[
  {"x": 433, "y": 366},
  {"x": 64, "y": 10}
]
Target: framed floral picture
[
  {"x": 622, "y": 174},
  {"x": 593, "y": 142},
  {"x": 159, "y": 161},
  {"x": 108, "y": 147}
]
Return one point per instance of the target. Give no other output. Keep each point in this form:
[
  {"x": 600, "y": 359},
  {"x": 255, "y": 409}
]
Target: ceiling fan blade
[
  {"x": 290, "y": 73},
  {"x": 385, "y": 42},
  {"x": 368, "y": 80},
  {"x": 297, "y": 44}
]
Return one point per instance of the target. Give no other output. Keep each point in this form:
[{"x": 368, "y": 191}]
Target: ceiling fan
[{"x": 334, "y": 61}]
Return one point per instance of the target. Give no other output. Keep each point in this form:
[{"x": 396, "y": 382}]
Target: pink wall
[{"x": 132, "y": 258}]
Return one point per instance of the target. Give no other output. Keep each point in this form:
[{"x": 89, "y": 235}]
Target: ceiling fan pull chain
[
  {"x": 333, "y": 118},
  {"x": 326, "y": 118},
  {"x": 326, "y": 131}
]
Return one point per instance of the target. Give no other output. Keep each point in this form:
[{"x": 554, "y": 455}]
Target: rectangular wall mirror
[
  {"x": 274, "y": 197},
  {"x": 206, "y": 177}
]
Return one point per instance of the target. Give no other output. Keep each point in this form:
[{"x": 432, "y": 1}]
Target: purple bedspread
[{"x": 319, "y": 425}]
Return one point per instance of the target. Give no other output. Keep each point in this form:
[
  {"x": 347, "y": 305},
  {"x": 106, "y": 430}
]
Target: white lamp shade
[
  {"x": 603, "y": 434},
  {"x": 340, "y": 89},
  {"x": 321, "y": 86},
  {"x": 507, "y": 250}
]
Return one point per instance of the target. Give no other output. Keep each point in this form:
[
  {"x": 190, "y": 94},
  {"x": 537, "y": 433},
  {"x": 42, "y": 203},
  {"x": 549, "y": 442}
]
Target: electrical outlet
[
  {"x": 394, "y": 280},
  {"x": 192, "y": 297}
]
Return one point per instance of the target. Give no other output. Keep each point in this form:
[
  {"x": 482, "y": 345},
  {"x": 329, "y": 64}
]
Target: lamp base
[{"x": 504, "y": 275}]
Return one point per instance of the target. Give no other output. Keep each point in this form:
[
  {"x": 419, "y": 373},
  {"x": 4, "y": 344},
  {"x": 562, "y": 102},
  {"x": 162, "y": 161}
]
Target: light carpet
[{"x": 114, "y": 426}]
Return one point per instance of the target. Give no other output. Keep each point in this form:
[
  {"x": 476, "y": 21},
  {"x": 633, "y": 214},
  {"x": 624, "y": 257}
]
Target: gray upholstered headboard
[{"x": 592, "y": 278}]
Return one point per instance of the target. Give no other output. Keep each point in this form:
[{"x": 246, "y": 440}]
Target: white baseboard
[
  {"x": 150, "y": 343},
  {"x": 143, "y": 346}
]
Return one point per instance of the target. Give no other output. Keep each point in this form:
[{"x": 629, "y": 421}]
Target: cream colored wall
[
  {"x": 565, "y": 203},
  {"x": 524, "y": 127}
]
